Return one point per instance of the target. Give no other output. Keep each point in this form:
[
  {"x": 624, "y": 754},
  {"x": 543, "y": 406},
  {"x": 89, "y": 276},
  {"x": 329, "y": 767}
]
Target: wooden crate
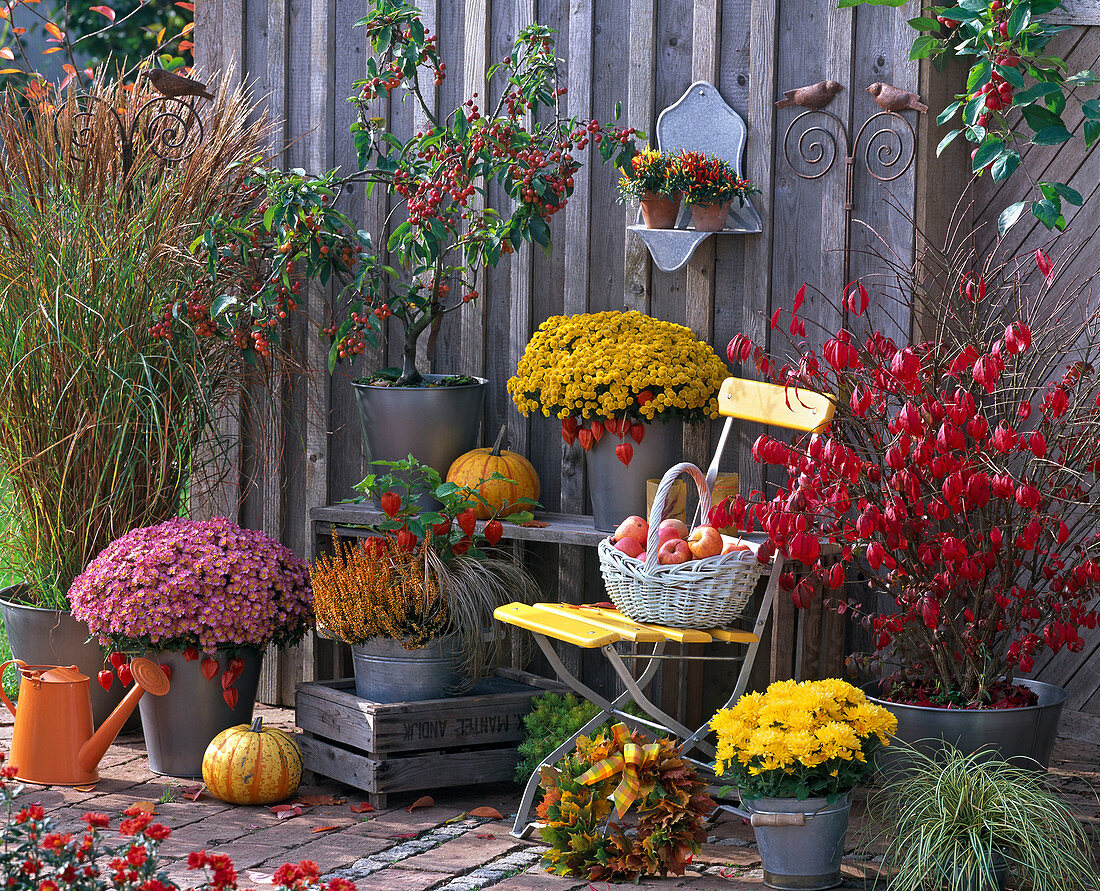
[{"x": 386, "y": 747}]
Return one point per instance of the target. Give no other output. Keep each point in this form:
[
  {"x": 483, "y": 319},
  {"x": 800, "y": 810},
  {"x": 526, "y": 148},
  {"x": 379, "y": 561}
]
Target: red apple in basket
[
  {"x": 629, "y": 547},
  {"x": 673, "y": 551},
  {"x": 731, "y": 544},
  {"x": 632, "y": 527},
  {"x": 705, "y": 541},
  {"x": 642, "y": 556},
  {"x": 672, "y": 529}
]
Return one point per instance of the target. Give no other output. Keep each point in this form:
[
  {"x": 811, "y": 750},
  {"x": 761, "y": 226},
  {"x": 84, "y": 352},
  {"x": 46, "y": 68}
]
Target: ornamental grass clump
[
  {"x": 802, "y": 740},
  {"x": 613, "y": 372},
  {"x": 956, "y": 821},
  {"x": 102, "y": 409},
  {"x": 963, "y": 467},
  {"x": 194, "y": 584}
]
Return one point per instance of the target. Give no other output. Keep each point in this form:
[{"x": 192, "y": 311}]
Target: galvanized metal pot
[
  {"x": 433, "y": 424},
  {"x": 180, "y": 725},
  {"x": 386, "y": 672},
  {"x": 1024, "y": 736},
  {"x": 800, "y": 842},
  {"x": 55, "y": 637},
  {"x": 617, "y": 490}
]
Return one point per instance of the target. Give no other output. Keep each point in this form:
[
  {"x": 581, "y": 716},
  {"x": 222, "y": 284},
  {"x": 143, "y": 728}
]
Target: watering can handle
[
  {"x": 759, "y": 819},
  {"x": 3, "y": 695}
]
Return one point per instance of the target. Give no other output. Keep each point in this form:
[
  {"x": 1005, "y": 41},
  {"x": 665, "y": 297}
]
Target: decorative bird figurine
[
  {"x": 175, "y": 86},
  {"x": 814, "y": 96},
  {"x": 891, "y": 98}
]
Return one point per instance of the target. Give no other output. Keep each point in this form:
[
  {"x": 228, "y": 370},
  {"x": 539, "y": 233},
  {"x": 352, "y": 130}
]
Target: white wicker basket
[{"x": 706, "y": 593}]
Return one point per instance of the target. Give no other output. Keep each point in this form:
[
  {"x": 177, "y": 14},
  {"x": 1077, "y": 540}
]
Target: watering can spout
[{"x": 148, "y": 678}]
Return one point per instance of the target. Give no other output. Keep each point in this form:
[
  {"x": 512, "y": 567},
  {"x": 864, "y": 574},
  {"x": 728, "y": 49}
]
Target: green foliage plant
[
  {"x": 952, "y": 821},
  {"x": 551, "y": 721},
  {"x": 1016, "y": 92},
  {"x": 107, "y": 386},
  {"x": 449, "y": 231}
]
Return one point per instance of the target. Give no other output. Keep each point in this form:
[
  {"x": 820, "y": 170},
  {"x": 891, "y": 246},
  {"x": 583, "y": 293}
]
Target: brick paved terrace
[{"x": 437, "y": 848}]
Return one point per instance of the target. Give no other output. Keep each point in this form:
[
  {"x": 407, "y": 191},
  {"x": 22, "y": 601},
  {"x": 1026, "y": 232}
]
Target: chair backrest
[{"x": 766, "y": 403}]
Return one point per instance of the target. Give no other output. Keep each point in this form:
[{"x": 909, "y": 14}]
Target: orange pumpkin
[
  {"x": 469, "y": 469},
  {"x": 252, "y": 765}
]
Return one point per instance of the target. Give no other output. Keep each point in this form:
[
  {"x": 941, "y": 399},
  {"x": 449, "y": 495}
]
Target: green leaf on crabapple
[
  {"x": 946, "y": 141},
  {"x": 987, "y": 152},
  {"x": 1046, "y": 212},
  {"x": 923, "y": 23},
  {"x": 1069, "y": 194},
  {"x": 1005, "y": 166},
  {"x": 1019, "y": 20},
  {"x": 1055, "y": 135},
  {"x": 979, "y": 76},
  {"x": 1092, "y": 132},
  {"x": 1035, "y": 91},
  {"x": 944, "y": 116},
  {"x": 1009, "y": 216}
]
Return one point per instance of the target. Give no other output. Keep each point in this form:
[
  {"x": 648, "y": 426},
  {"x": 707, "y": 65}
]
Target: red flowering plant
[
  {"x": 37, "y": 857},
  {"x": 451, "y": 229},
  {"x": 962, "y": 468}
]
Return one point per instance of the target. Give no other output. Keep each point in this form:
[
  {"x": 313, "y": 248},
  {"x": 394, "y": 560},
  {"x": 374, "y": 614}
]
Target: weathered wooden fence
[{"x": 303, "y": 56}]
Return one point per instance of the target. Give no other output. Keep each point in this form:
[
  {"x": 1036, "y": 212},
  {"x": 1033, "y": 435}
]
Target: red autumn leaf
[
  {"x": 542, "y": 524},
  {"x": 192, "y": 793},
  {"x": 1044, "y": 264},
  {"x": 190, "y": 7},
  {"x": 799, "y": 297},
  {"x": 489, "y": 813},
  {"x": 402, "y": 835},
  {"x": 319, "y": 800},
  {"x": 141, "y": 807},
  {"x": 231, "y": 696},
  {"x": 286, "y": 811},
  {"x": 324, "y": 828},
  {"x": 104, "y": 11},
  {"x": 209, "y": 668},
  {"x": 485, "y": 835},
  {"x": 55, "y": 31},
  {"x": 364, "y": 807},
  {"x": 422, "y": 801}
]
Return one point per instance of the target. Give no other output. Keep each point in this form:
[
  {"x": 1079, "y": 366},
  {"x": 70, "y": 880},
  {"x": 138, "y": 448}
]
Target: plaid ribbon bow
[{"x": 629, "y": 760}]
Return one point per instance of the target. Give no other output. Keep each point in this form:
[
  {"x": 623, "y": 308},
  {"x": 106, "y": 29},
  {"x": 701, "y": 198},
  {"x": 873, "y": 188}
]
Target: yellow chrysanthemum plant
[
  {"x": 613, "y": 372},
  {"x": 809, "y": 739}
]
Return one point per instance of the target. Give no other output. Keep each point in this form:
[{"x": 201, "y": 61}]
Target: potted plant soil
[
  {"x": 447, "y": 238},
  {"x": 102, "y": 397},
  {"x": 796, "y": 752},
  {"x": 651, "y": 179},
  {"x": 710, "y": 185},
  {"x": 961, "y": 821},
  {"x": 204, "y": 599},
  {"x": 415, "y": 600},
  {"x": 622, "y": 383},
  {"x": 962, "y": 471}
]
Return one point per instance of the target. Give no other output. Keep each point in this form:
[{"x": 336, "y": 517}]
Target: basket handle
[{"x": 657, "y": 511}]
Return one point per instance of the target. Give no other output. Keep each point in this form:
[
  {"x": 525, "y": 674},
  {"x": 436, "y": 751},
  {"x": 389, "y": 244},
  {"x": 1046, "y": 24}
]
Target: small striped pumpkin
[
  {"x": 252, "y": 765},
  {"x": 469, "y": 469}
]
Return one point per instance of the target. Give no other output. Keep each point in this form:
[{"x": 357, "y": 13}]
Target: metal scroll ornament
[
  {"x": 886, "y": 154},
  {"x": 166, "y": 126}
]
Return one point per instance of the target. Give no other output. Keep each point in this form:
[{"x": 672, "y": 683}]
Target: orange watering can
[{"x": 53, "y": 742}]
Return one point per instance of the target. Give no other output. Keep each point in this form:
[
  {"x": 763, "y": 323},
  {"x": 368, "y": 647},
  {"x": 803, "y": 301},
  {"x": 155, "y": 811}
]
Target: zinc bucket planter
[
  {"x": 386, "y": 672},
  {"x": 180, "y": 725},
  {"x": 801, "y": 842},
  {"x": 618, "y": 490},
  {"x": 434, "y": 424},
  {"x": 54, "y": 637},
  {"x": 1024, "y": 736}
]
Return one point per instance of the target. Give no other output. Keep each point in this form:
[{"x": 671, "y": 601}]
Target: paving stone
[
  {"x": 335, "y": 850},
  {"x": 537, "y": 879},
  {"x": 399, "y": 821},
  {"x": 461, "y": 854},
  {"x": 394, "y": 879}
]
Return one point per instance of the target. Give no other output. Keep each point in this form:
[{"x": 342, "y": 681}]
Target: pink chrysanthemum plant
[{"x": 196, "y": 587}]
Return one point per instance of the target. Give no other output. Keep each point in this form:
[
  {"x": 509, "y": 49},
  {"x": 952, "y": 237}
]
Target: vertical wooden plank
[
  {"x": 520, "y": 271},
  {"x": 474, "y": 64},
  {"x": 641, "y": 91},
  {"x": 575, "y": 248}
]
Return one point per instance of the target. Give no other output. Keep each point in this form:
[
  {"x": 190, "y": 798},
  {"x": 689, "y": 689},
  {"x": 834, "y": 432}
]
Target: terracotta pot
[
  {"x": 660, "y": 211},
  {"x": 710, "y": 217}
]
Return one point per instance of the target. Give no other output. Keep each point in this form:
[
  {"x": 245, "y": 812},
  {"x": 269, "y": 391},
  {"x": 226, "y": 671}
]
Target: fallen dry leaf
[
  {"x": 422, "y": 801},
  {"x": 260, "y": 878},
  {"x": 324, "y": 828},
  {"x": 364, "y": 808},
  {"x": 286, "y": 811},
  {"x": 488, "y": 813},
  {"x": 318, "y": 800},
  {"x": 141, "y": 807},
  {"x": 403, "y": 835},
  {"x": 193, "y": 792},
  {"x": 485, "y": 835},
  {"x": 90, "y": 788},
  {"x": 535, "y": 524}
]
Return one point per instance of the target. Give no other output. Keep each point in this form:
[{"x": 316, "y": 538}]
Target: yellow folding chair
[{"x": 599, "y": 628}]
